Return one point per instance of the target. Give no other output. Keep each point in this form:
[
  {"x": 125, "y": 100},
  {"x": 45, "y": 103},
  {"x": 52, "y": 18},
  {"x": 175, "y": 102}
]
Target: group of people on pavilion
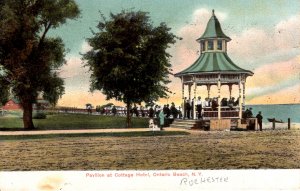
[{"x": 208, "y": 104}]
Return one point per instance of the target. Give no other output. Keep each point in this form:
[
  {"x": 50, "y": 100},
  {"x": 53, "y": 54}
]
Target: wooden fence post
[
  {"x": 289, "y": 123},
  {"x": 273, "y": 123}
]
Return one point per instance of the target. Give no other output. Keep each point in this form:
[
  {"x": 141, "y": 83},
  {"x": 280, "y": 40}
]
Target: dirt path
[
  {"x": 47, "y": 132},
  {"x": 199, "y": 150}
]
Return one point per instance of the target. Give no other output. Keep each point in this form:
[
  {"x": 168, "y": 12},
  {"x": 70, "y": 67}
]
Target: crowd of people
[
  {"x": 171, "y": 111},
  {"x": 208, "y": 104}
]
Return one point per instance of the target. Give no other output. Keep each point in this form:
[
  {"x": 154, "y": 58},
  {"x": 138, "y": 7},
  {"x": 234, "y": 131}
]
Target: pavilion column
[
  {"x": 243, "y": 84},
  {"x": 208, "y": 91},
  {"x": 190, "y": 88},
  {"x": 219, "y": 97},
  {"x": 195, "y": 95},
  {"x": 190, "y": 98},
  {"x": 240, "y": 98},
  {"x": 230, "y": 90},
  {"x": 182, "y": 104}
]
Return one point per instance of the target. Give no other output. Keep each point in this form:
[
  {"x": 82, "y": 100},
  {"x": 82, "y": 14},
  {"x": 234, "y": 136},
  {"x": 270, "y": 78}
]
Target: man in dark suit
[
  {"x": 199, "y": 107},
  {"x": 187, "y": 107},
  {"x": 259, "y": 118}
]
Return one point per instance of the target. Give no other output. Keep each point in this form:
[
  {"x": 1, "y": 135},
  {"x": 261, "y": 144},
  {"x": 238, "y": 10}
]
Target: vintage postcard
[{"x": 149, "y": 95}]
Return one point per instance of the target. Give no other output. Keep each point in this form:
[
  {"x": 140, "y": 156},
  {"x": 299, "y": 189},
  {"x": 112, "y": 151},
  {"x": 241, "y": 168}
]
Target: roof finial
[{"x": 213, "y": 12}]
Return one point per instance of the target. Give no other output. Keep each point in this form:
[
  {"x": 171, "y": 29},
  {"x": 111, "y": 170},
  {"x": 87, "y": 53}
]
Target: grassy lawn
[
  {"x": 72, "y": 121},
  {"x": 199, "y": 150}
]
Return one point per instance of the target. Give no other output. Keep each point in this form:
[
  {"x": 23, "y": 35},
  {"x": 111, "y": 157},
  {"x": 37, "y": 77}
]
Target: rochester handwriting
[{"x": 203, "y": 180}]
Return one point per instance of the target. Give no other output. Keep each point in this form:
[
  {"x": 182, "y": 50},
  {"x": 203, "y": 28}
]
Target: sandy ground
[{"x": 199, "y": 150}]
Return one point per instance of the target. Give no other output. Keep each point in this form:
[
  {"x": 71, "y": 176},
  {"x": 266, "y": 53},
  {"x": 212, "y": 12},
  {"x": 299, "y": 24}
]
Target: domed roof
[
  {"x": 214, "y": 62},
  {"x": 213, "y": 29}
]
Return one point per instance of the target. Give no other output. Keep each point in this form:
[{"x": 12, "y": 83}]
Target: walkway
[{"x": 48, "y": 132}]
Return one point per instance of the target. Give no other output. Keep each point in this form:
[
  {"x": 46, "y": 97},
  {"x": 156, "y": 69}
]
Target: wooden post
[
  {"x": 219, "y": 97},
  {"x": 273, "y": 124},
  {"x": 289, "y": 123},
  {"x": 230, "y": 90},
  {"x": 256, "y": 125},
  {"x": 240, "y": 99},
  {"x": 190, "y": 88},
  {"x": 244, "y": 96},
  {"x": 182, "y": 104},
  {"x": 195, "y": 95},
  {"x": 208, "y": 91}
]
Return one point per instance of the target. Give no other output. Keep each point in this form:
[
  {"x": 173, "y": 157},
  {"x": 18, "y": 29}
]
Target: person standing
[
  {"x": 214, "y": 104},
  {"x": 168, "y": 111},
  {"x": 259, "y": 118},
  {"x": 174, "y": 111},
  {"x": 231, "y": 102},
  {"x": 199, "y": 107},
  {"x": 135, "y": 111},
  {"x": 143, "y": 111},
  {"x": 187, "y": 108},
  {"x": 179, "y": 113},
  {"x": 161, "y": 119},
  {"x": 165, "y": 109},
  {"x": 114, "y": 110},
  {"x": 151, "y": 112}
]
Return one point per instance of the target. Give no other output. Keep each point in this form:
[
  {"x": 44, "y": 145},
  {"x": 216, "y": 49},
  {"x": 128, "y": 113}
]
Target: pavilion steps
[
  {"x": 197, "y": 124},
  {"x": 183, "y": 124}
]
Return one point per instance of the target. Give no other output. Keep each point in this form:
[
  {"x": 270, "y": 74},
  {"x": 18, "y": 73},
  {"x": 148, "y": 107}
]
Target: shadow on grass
[
  {"x": 73, "y": 121},
  {"x": 116, "y": 134},
  {"x": 12, "y": 129}
]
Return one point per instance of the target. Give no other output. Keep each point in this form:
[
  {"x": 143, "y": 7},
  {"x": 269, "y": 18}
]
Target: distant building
[{"x": 12, "y": 104}]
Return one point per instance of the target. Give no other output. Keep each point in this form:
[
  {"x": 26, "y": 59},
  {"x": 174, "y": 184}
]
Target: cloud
[
  {"x": 73, "y": 67},
  {"x": 75, "y": 64},
  {"x": 275, "y": 73},
  {"x": 256, "y": 46},
  {"x": 285, "y": 95},
  {"x": 85, "y": 47},
  {"x": 79, "y": 97}
]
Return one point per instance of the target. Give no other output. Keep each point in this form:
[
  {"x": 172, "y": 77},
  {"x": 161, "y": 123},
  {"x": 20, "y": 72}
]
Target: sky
[{"x": 265, "y": 39}]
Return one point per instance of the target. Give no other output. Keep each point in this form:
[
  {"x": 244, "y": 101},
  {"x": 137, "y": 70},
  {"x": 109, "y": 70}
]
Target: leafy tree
[
  {"x": 128, "y": 59},
  {"x": 4, "y": 88},
  {"x": 30, "y": 58}
]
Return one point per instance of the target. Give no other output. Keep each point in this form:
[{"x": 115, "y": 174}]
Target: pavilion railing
[{"x": 226, "y": 112}]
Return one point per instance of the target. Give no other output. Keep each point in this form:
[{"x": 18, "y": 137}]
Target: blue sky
[{"x": 252, "y": 25}]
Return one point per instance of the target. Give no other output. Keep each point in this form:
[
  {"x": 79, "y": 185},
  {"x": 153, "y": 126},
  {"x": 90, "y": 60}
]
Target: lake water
[{"x": 280, "y": 112}]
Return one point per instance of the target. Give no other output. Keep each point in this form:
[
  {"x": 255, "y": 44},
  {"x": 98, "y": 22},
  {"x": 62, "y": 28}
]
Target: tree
[
  {"x": 128, "y": 60},
  {"x": 30, "y": 58},
  {"x": 4, "y": 88}
]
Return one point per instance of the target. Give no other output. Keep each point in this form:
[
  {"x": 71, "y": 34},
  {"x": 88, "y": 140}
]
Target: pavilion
[{"x": 214, "y": 67}]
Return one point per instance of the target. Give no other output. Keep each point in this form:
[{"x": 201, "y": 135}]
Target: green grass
[
  {"x": 116, "y": 134},
  {"x": 73, "y": 121}
]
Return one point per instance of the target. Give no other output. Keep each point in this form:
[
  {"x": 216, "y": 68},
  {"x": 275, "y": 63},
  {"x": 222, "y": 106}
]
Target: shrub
[{"x": 39, "y": 115}]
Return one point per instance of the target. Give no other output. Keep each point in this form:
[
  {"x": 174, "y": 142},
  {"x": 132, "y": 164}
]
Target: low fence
[{"x": 140, "y": 113}]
